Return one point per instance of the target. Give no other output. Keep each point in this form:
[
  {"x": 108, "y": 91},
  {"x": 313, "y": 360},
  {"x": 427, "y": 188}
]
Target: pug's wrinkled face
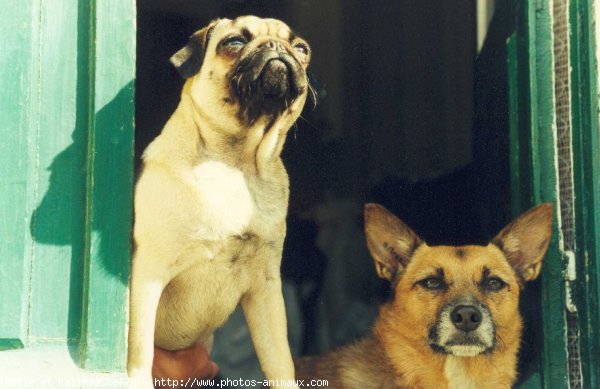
[{"x": 245, "y": 69}]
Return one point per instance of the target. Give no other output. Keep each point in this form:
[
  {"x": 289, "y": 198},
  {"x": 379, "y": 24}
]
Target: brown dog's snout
[
  {"x": 274, "y": 45},
  {"x": 466, "y": 317}
]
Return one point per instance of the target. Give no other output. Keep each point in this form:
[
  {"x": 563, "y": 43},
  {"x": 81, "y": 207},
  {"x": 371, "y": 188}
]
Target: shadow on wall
[
  {"x": 90, "y": 212},
  {"x": 66, "y": 195}
]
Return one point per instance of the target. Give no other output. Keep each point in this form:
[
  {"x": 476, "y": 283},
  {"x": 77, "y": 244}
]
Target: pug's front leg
[
  {"x": 265, "y": 314},
  {"x": 146, "y": 288}
]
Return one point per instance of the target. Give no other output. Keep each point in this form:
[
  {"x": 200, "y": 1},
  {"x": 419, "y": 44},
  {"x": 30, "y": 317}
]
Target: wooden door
[{"x": 66, "y": 172}]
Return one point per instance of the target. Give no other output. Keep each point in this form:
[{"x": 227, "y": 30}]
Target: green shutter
[
  {"x": 66, "y": 169},
  {"x": 17, "y": 104},
  {"x": 586, "y": 177},
  {"x": 532, "y": 149},
  {"x": 555, "y": 155}
]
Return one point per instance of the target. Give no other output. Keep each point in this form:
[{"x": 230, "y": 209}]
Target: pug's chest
[{"x": 232, "y": 203}]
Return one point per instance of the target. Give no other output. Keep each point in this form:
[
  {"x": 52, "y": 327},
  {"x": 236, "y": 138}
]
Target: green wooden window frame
[
  {"x": 66, "y": 160},
  {"x": 586, "y": 152},
  {"x": 534, "y": 159}
]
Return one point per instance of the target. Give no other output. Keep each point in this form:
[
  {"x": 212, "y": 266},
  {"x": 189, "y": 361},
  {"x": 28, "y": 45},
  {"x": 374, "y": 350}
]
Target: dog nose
[
  {"x": 466, "y": 317},
  {"x": 274, "y": 45}
]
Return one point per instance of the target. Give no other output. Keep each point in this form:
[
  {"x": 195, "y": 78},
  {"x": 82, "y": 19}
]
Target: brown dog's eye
[
  {"x": 494, "y": 284},
  {"x": 433, "y": 283}
]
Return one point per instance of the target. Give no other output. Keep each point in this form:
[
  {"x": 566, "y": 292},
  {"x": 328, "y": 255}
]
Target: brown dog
[
  {"x": 211, "y": 202},
  {"x": 454, "y": 320}
]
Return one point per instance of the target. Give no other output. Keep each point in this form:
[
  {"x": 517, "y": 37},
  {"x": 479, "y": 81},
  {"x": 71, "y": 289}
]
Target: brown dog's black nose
[{"x": 466, "y": 317}]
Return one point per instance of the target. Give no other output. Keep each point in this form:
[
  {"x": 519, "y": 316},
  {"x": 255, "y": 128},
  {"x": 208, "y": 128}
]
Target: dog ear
[
  {"x": 525, "y": 240},
  {"x": 390, "y": 241},
  {"x": 188, "y": 60}
]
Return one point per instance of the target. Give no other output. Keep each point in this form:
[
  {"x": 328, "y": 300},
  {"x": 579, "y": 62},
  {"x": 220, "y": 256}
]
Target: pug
[{"x": 211, "y": 200}]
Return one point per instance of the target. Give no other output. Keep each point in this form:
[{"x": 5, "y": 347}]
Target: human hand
[{"x": 182, "y": 365}]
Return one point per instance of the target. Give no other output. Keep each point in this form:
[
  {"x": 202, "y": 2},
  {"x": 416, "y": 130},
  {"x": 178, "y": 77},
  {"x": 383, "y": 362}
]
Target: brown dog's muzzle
[
  {"x": 466, "y": 317},
  {"x": 464, "y": 323},
  {"x": 267, "y": 80}
]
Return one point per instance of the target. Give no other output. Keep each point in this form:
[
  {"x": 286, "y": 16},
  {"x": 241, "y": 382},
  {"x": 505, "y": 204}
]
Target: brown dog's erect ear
[
  {"x": 525, "y": 240},
  {"x": 390, "y": 241},
  {"x": 189, "y": 59}
]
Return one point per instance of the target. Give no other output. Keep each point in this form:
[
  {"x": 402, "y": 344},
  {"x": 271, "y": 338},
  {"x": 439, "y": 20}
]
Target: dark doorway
[{"x": 408, "y": 114}]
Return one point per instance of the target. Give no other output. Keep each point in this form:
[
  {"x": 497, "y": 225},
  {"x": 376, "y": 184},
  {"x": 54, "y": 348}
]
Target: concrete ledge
[{"x": 52, "y": 367}]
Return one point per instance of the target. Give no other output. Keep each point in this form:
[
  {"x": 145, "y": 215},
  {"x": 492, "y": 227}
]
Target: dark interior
[{"x": 408, "y": 115}]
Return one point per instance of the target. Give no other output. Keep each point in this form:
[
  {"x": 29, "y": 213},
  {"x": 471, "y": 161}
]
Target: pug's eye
[
  {"x": 494, "y": 284},
  {"x": 235, "y": 42},
  {"x": 433, "y": 283},
  {"x": 301, "y": 48}
]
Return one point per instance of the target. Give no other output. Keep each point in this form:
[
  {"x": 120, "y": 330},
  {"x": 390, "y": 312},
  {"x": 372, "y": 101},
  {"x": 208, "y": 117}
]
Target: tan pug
[{"x": 211, "y": 201}]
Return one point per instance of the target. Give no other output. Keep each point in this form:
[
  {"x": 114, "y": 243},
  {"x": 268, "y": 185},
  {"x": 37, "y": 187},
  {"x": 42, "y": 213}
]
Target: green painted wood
[
  {"x": 42, "y": 162},
  {"x": 555, "y": 371},
  {"x": 514, "y": 127},
  {"x": 521, "y": 191},
  {"x": 586, "y": 171},
  {"x": 18, "y": 73},
  {"x": 543, "y": 152},
  {"x": 66, "y": 109},
  {"x": 533, "y": 156},
  {"x": 109, "y": 184},
  {"x": 56, "y": 223},
  {"x": 525, "y": 111},
  {"x": 533, "y": 382}
]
